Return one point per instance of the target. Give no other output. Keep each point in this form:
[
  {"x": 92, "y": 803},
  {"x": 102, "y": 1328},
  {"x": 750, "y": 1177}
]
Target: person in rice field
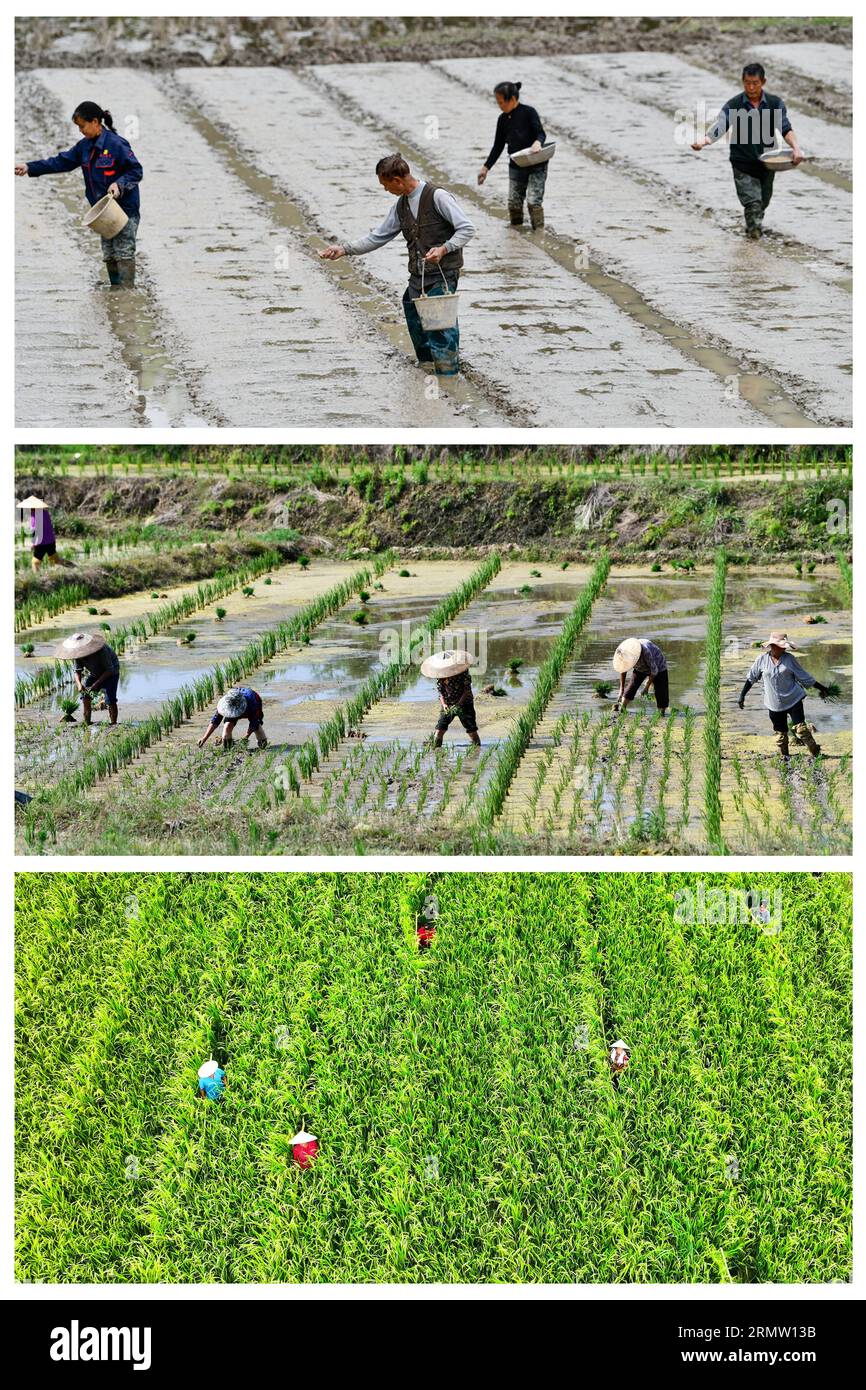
[
  {"x": 436, "y": 229},
  {"x": 640, "y": 662},
  {"x": 450, "y": 670},
  {"x": 754, "y": 118},
  {"x": 239, "y": 703},
  {"x": 211, "y": 1081},
  {"x": 43, "y": 543},
  {"x": 110, "y": 169},
  {"x": 784, "y": 682},
  {"x": 518, "y": 128},
  {"x": 96, "y": 670}
]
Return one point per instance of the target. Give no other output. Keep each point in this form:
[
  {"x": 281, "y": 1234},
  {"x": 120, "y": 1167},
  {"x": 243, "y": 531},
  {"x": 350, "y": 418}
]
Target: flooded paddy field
[
  {"x": 583, "y": 779},
  {"x": 639, "y": 298}
]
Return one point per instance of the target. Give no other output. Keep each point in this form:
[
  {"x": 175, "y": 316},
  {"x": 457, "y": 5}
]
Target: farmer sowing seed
[
  {"x": 638, "y": 660},
  {"x": 519, "y": 128},
  {"x": 436, "y": 229},
  {"x": 211, "y": 1081},
  {"x": 784, "y": 682},
  {"x": 450, "y": 670},
  {"x": 96, "y": 668},
  {"x": 44, "y": 542},
  {"x": 239, "y": 703},
  {"x": 753, "y": 117},
  {"x": 109, "y": 168}
]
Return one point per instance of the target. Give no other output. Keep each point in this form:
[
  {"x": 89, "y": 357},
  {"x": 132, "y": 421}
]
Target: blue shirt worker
[
  {"x": 239, "y": 703},
  {"x": 436, "y": 229},
  {"x": 519, "y": 128},
  {"x": 211, "y": 1081},
  {"x": 638, "y": 660},
  {"x": 754, "y": 117},
  {"x": 110, "y": 168},
  {"x": 784, "y": 681}
]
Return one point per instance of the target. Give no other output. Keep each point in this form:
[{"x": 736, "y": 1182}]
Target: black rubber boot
[
  {"x": 113, "y": 274},
  {"x": 515, "y": 215},
  {"x": 536, "y": 216},
  {"x": 126, "y": 273}
]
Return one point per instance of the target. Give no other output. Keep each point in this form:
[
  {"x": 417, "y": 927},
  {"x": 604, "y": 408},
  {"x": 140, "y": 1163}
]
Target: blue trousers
[{"x": 442, "y": 347}]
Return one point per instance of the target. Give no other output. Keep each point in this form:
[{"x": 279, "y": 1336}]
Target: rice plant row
[
  {"x": 548, "y": 678},
  {"x": 846, "y": 571},
  {"x": 127, "y": 744},
  {"x": 58, "y": 675},
  {"x": 712, "y": 704},
  {"x": 46, "y": 605}
]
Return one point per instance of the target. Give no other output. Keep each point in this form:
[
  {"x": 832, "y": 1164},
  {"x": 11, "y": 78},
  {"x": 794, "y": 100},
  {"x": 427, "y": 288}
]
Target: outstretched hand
[
  {"x": 332, "y": 253},
  {"x": 20, "y": 170}
]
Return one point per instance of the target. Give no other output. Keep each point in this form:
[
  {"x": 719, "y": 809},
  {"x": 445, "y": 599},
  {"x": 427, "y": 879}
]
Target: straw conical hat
[
  {"x": 780, "y": 639},
  {"x": 34, "y": 504},
  {"x": 232, "y": 705},
  {"x": 79, "y": 644},
  {"x": 627, "y": 654},
  {"x": 208, "y": 1069},
  {"x": 619, "y": 1043},
  {"x": 442, "y": 664},
  {"x": 302, "y": 1137}
]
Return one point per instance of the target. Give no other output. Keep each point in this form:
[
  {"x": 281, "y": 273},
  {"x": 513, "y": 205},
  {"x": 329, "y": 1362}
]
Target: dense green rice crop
[
  {"x": 468, "y": 1124},
  {"x": 712, "y": 716},
  {"x": 46, "y": 605}
]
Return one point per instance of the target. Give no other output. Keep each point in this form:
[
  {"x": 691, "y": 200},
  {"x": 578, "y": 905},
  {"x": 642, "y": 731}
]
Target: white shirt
[{"x": 445, "y": 204}]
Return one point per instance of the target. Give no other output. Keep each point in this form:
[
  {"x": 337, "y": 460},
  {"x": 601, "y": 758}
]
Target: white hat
[
  {"x": 34, "y": 503},
  {"x": 208, "y": 1069},
  {"x": 627, "y": 654},
  {"x": 780, "y": 639},
  {"x": 619, "y": 1043},
  {"x": 442, "y": 664},
  {"x": 80, "y": 644},
  {"x": 302, "y": 1137},
  {"x": 232, "y": 705}
]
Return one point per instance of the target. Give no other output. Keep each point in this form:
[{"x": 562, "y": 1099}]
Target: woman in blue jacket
[{"x": 109, "y": 166}]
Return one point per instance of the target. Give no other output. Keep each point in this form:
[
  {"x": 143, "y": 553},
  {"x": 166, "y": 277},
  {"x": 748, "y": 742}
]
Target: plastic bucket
[
  {"x": 106, "y": 217},
  {"x": 779, "y": 159},
  {"x": 436, "y": 311}
]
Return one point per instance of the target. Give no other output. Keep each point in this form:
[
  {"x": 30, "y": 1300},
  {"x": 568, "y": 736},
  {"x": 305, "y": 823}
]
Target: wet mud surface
[{"x": 641, "y": 302}]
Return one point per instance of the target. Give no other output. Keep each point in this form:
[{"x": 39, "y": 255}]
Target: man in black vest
[
  {"x": 753, "y": 116},
  {"x": 436, "y": 229}
]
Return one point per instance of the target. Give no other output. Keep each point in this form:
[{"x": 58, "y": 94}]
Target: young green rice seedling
[
  {"x": 304, "y": 561},
  {"x": 68, "y": 705},
  {"x": 602, "y": 689},
  {"x": 220, "y": 614},
  {"x": 404, "y": 574},
  {"x": 27, "y": 648}
]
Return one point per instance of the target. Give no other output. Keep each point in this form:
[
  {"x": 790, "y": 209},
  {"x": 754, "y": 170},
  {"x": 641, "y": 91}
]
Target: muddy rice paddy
[{"x": 639, "y": 300}]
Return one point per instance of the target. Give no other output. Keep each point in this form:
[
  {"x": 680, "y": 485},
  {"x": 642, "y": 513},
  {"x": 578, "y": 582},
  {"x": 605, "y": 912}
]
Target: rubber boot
[
  {"x": 113, "y": 273},
  {"x": 126, "y": 273},
  {"x": 261, "y": 740},
  {"x": 804, "y": 733},
  {"x": 782, "y": 743},
  {"x": 515, "y": 214},
  {"x": 536, "y": 216}
]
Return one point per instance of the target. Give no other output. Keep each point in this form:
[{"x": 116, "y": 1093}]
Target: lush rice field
[{"x": 469, "y": 1125}]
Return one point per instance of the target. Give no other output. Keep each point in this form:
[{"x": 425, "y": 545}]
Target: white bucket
[
  {"x": 526, "y": 158},
  {"x": 106, "y": 217},
  {"x": 436, "y": 311}
]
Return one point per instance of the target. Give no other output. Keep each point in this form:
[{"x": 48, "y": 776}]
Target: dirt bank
[
  {"x": 669, "y": 518},
  {"x": 123, "y": 576}
]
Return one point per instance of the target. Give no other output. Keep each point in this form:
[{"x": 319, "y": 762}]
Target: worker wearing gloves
[
  {"x": 436, "y": 230},
  {"x": 753, "y": 117},
  {"x": 519, "y": 128},
  {"x": 109, "y": 167},
  {"x": 239, "y": 703},
  {"x": 640, "y": 661},
  {"x": 97, "y": 668},
  {"x": 784, "y": 681}
]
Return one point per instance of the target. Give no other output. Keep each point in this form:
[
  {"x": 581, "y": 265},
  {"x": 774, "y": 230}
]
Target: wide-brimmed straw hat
[
  {"x": 33, "y": 504},
  {"x": 232, "y": 705},
  {"x": 208, "y": 1069},
  {"x": 780, "y": 639},
  {"x": 442, "y": 664},
  {"x": 627, "y": 654},
  {"x": 80, "y": 644}
]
